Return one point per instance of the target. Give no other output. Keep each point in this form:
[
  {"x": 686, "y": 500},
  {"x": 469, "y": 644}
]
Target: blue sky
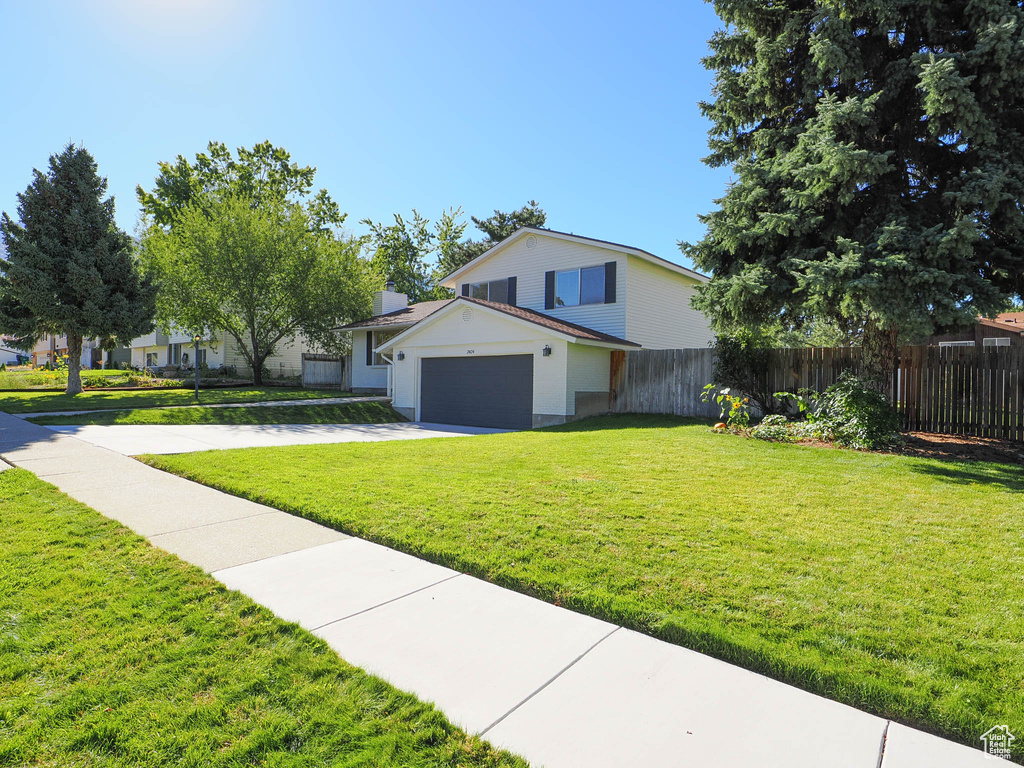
[{"x": 589, "y": 108}]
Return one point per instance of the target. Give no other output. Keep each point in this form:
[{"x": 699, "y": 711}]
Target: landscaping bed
[
  {"x": 113, "y": 652},
  {"x": 888, "y": 582},
  {"x": 933, "y": 445}
]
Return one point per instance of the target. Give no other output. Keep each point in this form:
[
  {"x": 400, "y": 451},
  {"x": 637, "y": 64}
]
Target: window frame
[
  {"x": 155, "y": 356},
  {"x": 602, "y": 269},
  {"x": 995, "y": 341},
  {"x": 474, "y": 288},
  {"x": 376, "y": 339},
  {"x": 956, "y": 344}
]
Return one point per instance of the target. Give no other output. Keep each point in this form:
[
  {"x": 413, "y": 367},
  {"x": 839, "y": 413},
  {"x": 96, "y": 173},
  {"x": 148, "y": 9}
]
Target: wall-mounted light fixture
[
  {"x": 400, "y": 356},
  {"x": 547, "y": 351}
]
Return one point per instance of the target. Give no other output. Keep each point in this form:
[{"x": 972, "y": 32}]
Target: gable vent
[
  {"x": 467, "y": 315},
  {"x": 531, "y": 241}
]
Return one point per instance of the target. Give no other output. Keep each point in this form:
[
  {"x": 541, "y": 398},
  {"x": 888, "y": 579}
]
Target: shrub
[
  {"x": 854, "y": 415},
  {"x": 775, "y": 428},
  {"x": 742, "y": 360}
]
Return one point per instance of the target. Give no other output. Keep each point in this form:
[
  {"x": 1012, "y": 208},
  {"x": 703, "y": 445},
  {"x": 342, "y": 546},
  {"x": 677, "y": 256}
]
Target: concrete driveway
[{"x": 133, "y": 440}]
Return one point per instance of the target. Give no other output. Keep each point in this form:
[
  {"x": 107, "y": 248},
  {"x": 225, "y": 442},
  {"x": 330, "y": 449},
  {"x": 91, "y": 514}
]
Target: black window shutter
[
  {"x": 465, "y": 289},
  {"x": 369, "y": 347},
  {"x": 549, "y": 290},
  {"x": 609, "y": 282},
  {"x": 512, "y": 291}
]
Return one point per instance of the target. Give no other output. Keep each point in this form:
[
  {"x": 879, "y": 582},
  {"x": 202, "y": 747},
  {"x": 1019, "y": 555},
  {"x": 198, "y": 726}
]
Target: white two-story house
[{"x": 529, "y": 337}]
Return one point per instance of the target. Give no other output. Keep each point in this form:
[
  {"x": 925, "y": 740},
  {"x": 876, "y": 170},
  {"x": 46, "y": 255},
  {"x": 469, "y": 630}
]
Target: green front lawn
[
  {"x": 28, "y": 402},
  {"x": 24, "y": 378},
  {"x": 891, "y": 583},
  {"x": 115, "y": 653},
  {"x": 344, "y": 413}
]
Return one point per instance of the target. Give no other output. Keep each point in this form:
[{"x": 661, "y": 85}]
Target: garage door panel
[{"x": 485, "y": 391}]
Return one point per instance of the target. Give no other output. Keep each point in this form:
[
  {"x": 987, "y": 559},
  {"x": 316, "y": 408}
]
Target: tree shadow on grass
[
  {"x": 1009, "y": 476},
  {"x": 629, "y": 421}
]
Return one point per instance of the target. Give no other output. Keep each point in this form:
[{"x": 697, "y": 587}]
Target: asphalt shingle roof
[
  {"x": 421, "y": 310},
  {"x": 408, "y": 316},
  {"x": 552, "y": 323}
]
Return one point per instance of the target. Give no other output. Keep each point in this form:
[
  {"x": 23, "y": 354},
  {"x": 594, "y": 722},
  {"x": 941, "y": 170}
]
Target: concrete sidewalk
[
  {"x": 137, "y": 439},
  {"x": 557, "y": 687}
]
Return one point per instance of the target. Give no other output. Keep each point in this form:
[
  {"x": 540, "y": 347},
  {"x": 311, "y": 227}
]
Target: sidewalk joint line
[
  {"x": 557, "y": 675},
  {"x": 379, "y": 605},
  {"x": 881, "y": 747},
  {"x": 215, "y": 522}
]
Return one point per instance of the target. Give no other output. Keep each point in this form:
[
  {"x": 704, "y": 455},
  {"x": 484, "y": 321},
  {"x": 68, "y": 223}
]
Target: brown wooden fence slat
[{"x": 958, "y": 390}]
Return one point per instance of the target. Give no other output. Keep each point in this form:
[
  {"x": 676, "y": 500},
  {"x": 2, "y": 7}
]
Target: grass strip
[
  {"x": 342, "y": 413},
  {"x": 41, "y": 401},
  {"x": 113, "y": 653}
]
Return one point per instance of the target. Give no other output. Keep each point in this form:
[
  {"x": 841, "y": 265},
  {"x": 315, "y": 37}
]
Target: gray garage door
[{"x": 478, "y": 391}]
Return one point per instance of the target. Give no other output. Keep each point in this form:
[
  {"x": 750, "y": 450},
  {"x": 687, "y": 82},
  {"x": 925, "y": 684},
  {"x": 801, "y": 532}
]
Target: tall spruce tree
[
  {"x": 878, "y": 152},
  {"x": 69, "y": 270}
]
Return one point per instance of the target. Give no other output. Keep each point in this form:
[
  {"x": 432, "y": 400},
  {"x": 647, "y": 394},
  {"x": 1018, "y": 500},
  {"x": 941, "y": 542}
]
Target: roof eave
[{"x": 360, "y": 327}]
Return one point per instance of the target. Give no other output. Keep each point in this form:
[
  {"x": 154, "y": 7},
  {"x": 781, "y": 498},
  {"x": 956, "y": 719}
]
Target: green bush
[
  {"x": 854, "y": 415},
  {"x": 775, "y": 428}
]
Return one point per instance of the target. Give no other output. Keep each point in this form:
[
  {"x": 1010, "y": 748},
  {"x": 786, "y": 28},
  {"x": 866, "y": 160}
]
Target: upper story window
[
  {"x": 494, "y": 290},
  {"x": 499, "y": 291},
  {"x": 586, "y": 285},
  {"x": 580, "y": 286}
]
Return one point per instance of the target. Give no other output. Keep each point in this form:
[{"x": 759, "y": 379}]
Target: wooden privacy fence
[
  {"x": 956, "y": 390},
  {"x": 326, "y": 371},
  {"x": 662, "y": 381}
]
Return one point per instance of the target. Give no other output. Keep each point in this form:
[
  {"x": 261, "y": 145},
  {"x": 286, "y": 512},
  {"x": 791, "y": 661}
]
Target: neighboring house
[
  {"x": 1005, "y": 330},
  {"x": 176, "y": 349},
  {"x": 49, "y": 348},
  {"x": 9, "y": 355},
  {"x": 528, "y": 340}
]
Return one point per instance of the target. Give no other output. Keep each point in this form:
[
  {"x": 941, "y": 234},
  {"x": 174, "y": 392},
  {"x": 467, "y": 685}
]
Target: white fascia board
[
  {"x": 432, "y": 318},
  {"x": 606, "y": 344},
  {"x": 390, "y": 326}
]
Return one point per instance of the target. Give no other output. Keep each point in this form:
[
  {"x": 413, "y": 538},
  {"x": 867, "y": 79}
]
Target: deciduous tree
[
  {"x": 69, "y": 270},
  {"x": 261, "y": 273}
]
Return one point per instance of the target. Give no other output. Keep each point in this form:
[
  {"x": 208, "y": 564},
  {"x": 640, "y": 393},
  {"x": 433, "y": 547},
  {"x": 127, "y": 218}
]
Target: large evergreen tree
[
  {"x": 878, "y": 152},
  {"x": 69, "y": 269}
]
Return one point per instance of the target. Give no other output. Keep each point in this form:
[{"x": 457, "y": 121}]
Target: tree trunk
[
  {"x": 257, "y": 369},
  {"x": 879, "y": 356},
  {"x": 74, "y": 365}
]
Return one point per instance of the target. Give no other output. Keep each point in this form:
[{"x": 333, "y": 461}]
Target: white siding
[
  {"x": 589, "y": 370},
  {"x": 286, "y": 361},
  {"x": 528, "y": 266},
  {"x": 366, "y": 376},
  {"x": 658, "y": 311},
  {"x": 487, "y": 333}
]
